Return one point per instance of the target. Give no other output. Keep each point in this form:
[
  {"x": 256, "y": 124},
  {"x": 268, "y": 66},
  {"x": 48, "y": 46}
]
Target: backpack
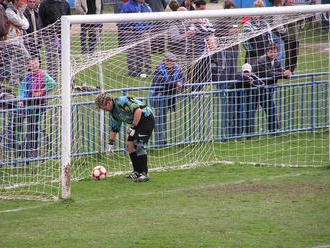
[{"x": 3, "y": 22}]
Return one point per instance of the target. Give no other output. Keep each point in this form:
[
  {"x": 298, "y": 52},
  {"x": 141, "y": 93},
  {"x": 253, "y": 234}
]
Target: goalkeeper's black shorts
[{"x": 144, "y": 129}]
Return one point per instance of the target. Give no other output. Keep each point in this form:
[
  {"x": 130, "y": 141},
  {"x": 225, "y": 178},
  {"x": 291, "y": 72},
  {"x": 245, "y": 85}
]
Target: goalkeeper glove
[
  {"x": 110, "y": 147},
  {"x": 131, "y": 131}
]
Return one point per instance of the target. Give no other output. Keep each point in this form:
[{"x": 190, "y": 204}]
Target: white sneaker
[{"x": 143, "y": 177}]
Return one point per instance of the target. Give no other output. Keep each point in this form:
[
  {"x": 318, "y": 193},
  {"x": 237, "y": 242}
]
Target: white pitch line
[{"x": 170, "y": 191}]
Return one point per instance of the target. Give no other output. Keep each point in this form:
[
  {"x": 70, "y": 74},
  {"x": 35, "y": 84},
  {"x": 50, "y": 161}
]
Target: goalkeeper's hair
[{"x": 102, "y": 99}]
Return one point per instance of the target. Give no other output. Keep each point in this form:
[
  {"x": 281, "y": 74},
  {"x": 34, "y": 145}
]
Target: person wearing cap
[
  {"x": 244, "y": 102},
  {"x": 169, "y": 77},
  {"x": 268, "y": 66},
  {"x": 137, "y": 114}
]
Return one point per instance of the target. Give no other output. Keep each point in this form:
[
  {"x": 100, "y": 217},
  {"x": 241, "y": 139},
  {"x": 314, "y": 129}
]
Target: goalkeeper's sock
[
  {"x": 142, "y": 163},
  {"x": 134, "y": 159}
]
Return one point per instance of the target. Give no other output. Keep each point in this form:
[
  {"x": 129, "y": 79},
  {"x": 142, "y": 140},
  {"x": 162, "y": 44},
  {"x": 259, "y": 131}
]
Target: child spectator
[
  {"x": 36, "y": 84},
  {"x": 244, "y": 103}
]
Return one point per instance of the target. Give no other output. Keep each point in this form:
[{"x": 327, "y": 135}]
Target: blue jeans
[{"x": 161, "y": 107}]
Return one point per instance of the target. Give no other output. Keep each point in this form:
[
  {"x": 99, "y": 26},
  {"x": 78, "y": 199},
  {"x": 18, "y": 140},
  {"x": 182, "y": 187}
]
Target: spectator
[
  {"x": 225, "y": 61},
  {"x": 18, "y": 55},
  {"x": 279, "y": 33},
  {"x": 188, "y": 4},
  {"x": 49, "y": 12},
  {"x": 178, "y": 35},
  {"x": 146, "y": 47},
  {"x": 35, "y": 86},
  {"x": 269, "y": 67},
  {"x": 200, "y": 44},
  {"x": 243, "y": 104},
  {"x": 325, "y": 20},
  {"x": 158, "y": 43},
  {"x": 37, "y": 5},
  {"x": 169, "y": 76},
  {"x": 88, "y": 7},
  {"x": 4, "y": 60},
  {"x": 256, "y": 46},
  {"x": 133, "y": 33},
  {"x": 291, "y": 43},
  {"x": 119, "y": 5},
  {"x": 174, "y": 5},
  {"x": 33, "y": 40},
  {"x": 3, "y": 20},
  {"x": 121, "y": 32}
]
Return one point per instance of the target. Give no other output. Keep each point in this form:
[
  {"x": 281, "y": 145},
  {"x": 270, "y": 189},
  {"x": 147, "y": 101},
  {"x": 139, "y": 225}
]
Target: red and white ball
[{"x": 99, "y": 173}]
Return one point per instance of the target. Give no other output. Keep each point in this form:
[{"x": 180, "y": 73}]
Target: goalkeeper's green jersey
[{"x": 123, "y": 111}]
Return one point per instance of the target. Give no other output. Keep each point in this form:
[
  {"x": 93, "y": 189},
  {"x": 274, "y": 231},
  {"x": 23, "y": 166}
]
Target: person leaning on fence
[
  {"x": 139, "y": 116},
  {"x": 169, "y": 76},
  {"x": 34, "y": 88},
  {"x": 244, "y": 103},
  {"x": 268, "y": 66}
]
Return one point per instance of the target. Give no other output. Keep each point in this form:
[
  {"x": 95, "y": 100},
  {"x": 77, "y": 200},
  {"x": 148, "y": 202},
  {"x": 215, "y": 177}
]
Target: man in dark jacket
[
  {"x": 169, "y": 76},
  {"x": 49, "y": 12},
  {"x": 4, "y": 61},
  {"x": 269, "y": 67},
  {"x": 33, "y": 40}
]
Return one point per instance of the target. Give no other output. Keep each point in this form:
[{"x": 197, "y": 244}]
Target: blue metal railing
[{"x": 298, "y": 107}]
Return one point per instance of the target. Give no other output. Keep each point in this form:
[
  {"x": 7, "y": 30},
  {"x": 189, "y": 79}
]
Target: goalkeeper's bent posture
[{"x": 139, "y": 115}]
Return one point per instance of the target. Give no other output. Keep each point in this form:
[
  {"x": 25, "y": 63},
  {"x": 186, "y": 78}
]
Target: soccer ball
[{"x": 99, "y": 173}]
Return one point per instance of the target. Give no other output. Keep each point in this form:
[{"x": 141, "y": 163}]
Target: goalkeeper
[{"x": 139, "y": 116}]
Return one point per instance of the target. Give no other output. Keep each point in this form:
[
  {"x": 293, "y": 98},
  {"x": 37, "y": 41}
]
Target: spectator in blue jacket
[
  {"x": 133, "y": 31},
  {"x": 170, "y": 78}
]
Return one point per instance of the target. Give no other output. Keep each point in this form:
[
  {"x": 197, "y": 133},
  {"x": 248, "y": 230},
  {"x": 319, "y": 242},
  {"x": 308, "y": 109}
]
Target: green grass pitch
[{"x": 213, "y": 206}]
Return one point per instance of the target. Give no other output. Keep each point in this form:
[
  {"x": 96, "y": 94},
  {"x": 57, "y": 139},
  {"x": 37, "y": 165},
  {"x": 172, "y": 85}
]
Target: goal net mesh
[{"x": 189, "y": 71}]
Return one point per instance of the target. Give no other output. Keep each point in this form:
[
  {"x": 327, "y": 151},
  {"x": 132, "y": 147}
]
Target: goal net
[{"x": 243, "y": 86}]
